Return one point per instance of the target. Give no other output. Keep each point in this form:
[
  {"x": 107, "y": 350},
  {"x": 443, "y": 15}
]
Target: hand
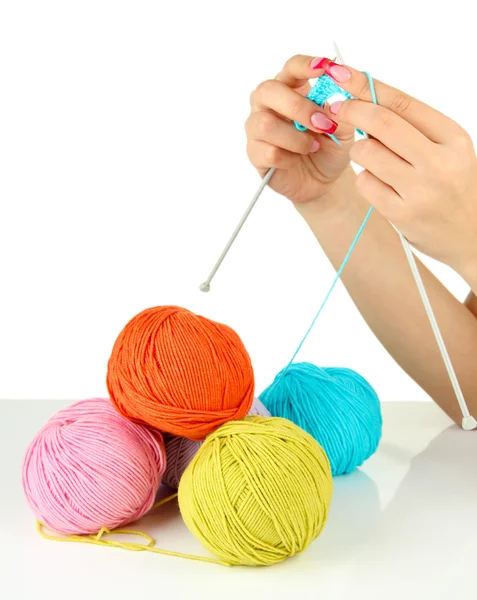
[
  {"x": 420, "y": 170},
  {"x": 307, "y": 163}
]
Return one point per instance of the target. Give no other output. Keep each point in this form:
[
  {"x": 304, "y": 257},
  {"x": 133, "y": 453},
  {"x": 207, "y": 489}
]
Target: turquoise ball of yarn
[{"x": 338, "y": 407}]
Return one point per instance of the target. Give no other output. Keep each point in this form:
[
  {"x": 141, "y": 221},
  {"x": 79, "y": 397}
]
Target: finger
[
  {"x": 380, "y": 122},
  {"x": 267, "y": 127},
  {"x": 299, "y": 69},
  {"x": 297, "y": 72},
  {"x": 345, "y": 131},
  {"x": 263, "y": 156},
  {"x": 275, "y": 95},
  {"x": 429, "y": 121},
  {"x": 386, "y": 201},
  {"x": 384, "y": 164}
]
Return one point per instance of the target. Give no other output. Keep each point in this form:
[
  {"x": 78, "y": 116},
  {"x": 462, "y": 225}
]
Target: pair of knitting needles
[{"x": 468, "y": 422}]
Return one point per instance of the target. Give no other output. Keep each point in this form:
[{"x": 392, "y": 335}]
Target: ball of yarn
[
  {"x": 180, "y": 450},
  {"x": 180, "y": 372},
  {"x": 89, "y": 468},
  {"x": 257, "y": 491},
  {"x": 338, "y": 407}
]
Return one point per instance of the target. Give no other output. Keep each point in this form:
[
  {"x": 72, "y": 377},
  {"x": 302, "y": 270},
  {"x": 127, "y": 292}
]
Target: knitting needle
[
  {"x": 205, "y": 287},
  {"x": 468, "y": 421},
  {"x": 339, "y": 57}
]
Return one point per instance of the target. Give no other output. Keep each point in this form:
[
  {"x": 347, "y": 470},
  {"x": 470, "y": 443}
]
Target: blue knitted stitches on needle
[
  {"x": 323, "y": 89},
  {"x": 320, "y": 92}
]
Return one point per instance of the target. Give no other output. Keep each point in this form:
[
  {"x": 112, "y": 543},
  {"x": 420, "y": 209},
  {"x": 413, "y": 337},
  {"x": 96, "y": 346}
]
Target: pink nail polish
[
  {"x": 338, "y": 72},
  {"x": 335, "y": 107},
  {"x": 315, "y": 146},
  {"x": 321, "y": 121},
  {"x": 319, "y": 62}
]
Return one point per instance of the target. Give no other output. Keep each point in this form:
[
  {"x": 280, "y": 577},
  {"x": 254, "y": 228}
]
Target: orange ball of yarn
[{"x": 179, "y": 372}]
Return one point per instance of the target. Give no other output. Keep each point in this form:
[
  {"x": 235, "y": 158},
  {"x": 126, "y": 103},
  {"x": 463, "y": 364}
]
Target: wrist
[{"x": 340, "y": 201}]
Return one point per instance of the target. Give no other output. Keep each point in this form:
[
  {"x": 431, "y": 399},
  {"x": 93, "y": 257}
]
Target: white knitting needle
[
  {"x": 468, "y": 422},
  {"x": 205, "y": 287},
  {"x": 339, "y": 56}
]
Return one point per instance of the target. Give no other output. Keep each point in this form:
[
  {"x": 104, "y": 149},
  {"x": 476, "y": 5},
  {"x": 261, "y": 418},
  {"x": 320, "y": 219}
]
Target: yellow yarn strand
[
  {"x": 164, "y": 501},
  {"x": 257, "y": 491},
  {"x": 98, "y": 540}
]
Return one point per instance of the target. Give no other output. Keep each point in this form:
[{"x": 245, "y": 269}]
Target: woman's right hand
[{"x": 307, "y": 163}]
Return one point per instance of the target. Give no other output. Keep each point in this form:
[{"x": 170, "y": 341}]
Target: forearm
[{"x": 381, "y": 285}]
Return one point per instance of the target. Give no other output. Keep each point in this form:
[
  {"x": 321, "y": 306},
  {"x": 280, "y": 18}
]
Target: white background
[{"x": 123, "y": 172}]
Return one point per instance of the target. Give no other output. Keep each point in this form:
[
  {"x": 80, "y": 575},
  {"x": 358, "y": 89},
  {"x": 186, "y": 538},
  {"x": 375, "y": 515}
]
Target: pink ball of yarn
[
  {"x": 89, "y": 468},
  {"x": 180, "y": 451}
]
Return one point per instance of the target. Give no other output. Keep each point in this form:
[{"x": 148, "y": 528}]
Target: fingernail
[
  {"x": 338, "y": 72},
  {"x": 335, "y": 107},
  {"x": 315, "y": 146},
  {"x": 319, "y": 62},
  {"x": 324, "y": 123}
]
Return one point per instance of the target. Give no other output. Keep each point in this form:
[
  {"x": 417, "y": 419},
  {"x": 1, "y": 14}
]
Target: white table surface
[{"x": 404, "y": 526}]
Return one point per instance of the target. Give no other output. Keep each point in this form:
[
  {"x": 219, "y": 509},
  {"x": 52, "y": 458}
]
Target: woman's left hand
[{"x": 420, "y": 170}]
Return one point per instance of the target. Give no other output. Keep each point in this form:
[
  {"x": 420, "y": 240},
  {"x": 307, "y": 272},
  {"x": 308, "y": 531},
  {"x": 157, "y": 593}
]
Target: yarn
[
  {"x": 338, "y": 407},
  {"x": 105, "y": 538},
  {"x": 324, "y": 88},
  {"x": 180, "y": 372},
  {"x": 90, "y": 468},
  {"x": 180, "y": 450},
  {"x": 321, "y": 91},
  {"x": 257, "y": 491},
  {"x": 333, "y": 285}
]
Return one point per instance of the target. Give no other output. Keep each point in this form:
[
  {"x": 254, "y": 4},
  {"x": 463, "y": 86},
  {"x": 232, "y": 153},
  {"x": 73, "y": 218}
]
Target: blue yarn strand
[
  {"x": 360, "y": 230},
  {"x": 335, "y": 281},
  {"x": 371, "y": 87},
  {"x": 337, "y": 407}
]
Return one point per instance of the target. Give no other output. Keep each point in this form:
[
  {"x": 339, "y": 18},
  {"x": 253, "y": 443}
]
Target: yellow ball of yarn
[{"x": 257, "y": 491}]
